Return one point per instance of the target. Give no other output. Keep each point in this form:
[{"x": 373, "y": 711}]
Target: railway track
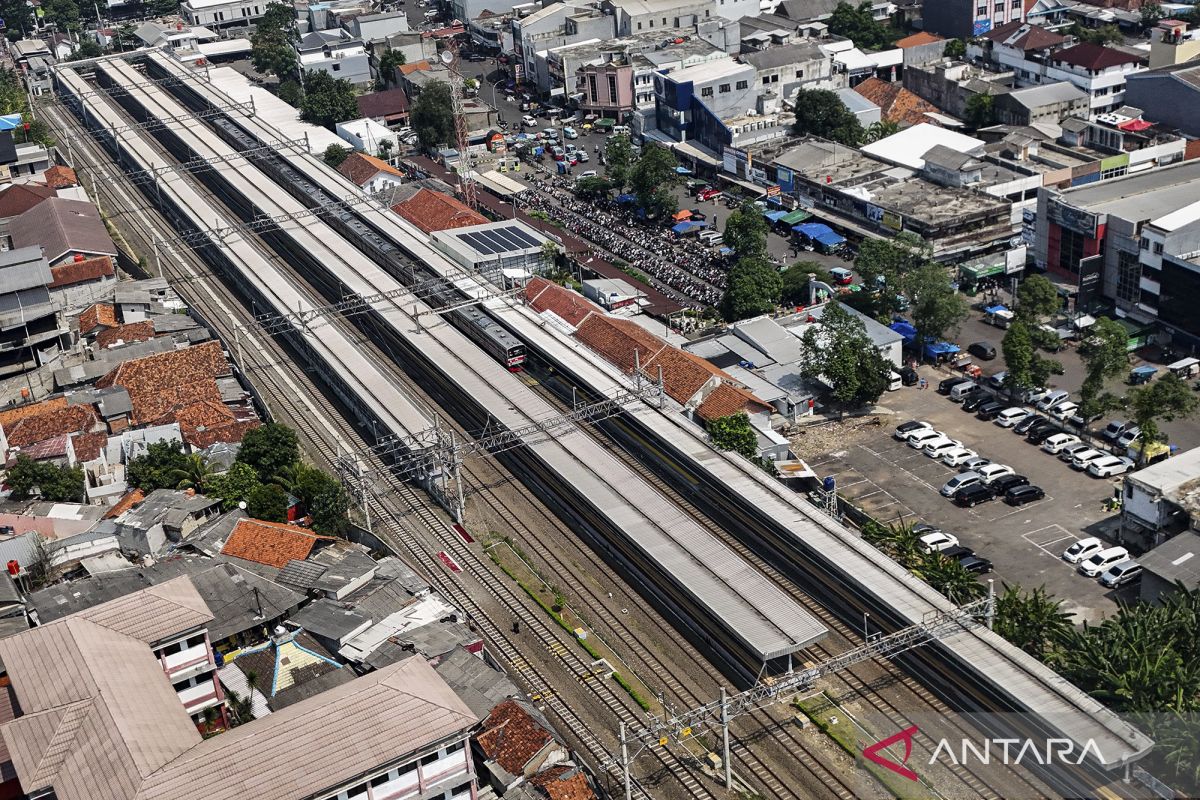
[{"x": 396, "y": 521}]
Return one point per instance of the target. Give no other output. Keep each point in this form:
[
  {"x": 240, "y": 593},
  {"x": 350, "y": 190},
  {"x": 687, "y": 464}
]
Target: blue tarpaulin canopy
[
  {"x": 905, "y": 329},
  {"x": 10, "y": 122},
  {"x": 683, "y": 171},
  {"x": 936, "y": 349},
  {"x": 1143, "y": 370},
  {"x": 775, "y": 216},
  {"x": 830, "y": 239},
  {"x": 812, "y": 230},
  {"x": 726, "y": 251},
  {"x": 688, "y": 226},
  {"x": 996, "y": 309},
  {"x": 626, "y": 198}
]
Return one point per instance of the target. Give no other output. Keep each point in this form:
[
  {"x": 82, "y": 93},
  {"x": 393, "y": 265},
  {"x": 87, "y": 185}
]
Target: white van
[
  {"x": 962, "y": 390},
  {"x": 1100, "y": 562},
  {"x": 895, "y": 381},
  {"x": 620, "y": 130}
]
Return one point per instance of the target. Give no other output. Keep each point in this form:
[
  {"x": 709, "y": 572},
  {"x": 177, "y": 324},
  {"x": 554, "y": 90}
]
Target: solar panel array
[{"x": 499, "y": 240}]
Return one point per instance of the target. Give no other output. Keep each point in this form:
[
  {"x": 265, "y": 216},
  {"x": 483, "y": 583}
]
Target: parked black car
[
  {"x": 1022, "y": 427},
  {"x": 976, "y": 565},
  {"x": 1020, "y": 495},
  {"x": 989, "y": 411},
  {"x": 982, "y": 350},
  {"x": 949, "y": 383},
  {"x": 973, "y": 495},
  {"x": 1002, "y": 484},
  {"x": 908, "y": 375},
  {"x": 1040, "y": 433},
  {"x": 973, "y": 400}
]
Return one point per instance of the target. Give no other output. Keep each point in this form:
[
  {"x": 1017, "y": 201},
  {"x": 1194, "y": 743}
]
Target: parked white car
[
  {"x": 959, "y": 481},
  {"x": 1011, "y": 416},
  {"x": 957, "y": 455},
  {"x": 918, "y": 439},
  {"x": 1064, "y": 410},
  {"x": 1083, "y": 549},
  {"x": 905, "y": 428},
  {"x": 990, "y": 472},
  {"x": 1099, "y": 562},
  {"x": 1081, "y": 459},
  {"x": 1058, "y": 441},
  {"x": 936, "y": 448},
  {"x": 938, "y": 541},
  {"x": 1109, "y": 466}
]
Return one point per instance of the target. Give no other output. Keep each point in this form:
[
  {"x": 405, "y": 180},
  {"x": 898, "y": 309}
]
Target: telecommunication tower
[{"x": 466, "y": 185}]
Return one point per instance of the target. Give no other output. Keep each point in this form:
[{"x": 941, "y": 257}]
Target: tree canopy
[
  {"x": 1167, "y": 399},
  {"x": 433, "y": 116},
  {"x": 271, "y": 50},
  {"x": 937, "y": 308},
  {"x": 795, "y": 282},
  {"x": 1105, "y": 355},
  {"x": 651, "y": 180},
  {"x": 160, "y": 468},
  {"x": 839, "y": 352},
  {"x": 50, "y": 481},
  {"x": 618, "y": 155},
  {"x": 754, "y": 287},
  {"x": 746, "y": 232},
  {"x": 233, "y": 486},
  {"x": 884, "y": 265},
  {"x": 327, "y": 100},
  {"x": 1037, "y": 299},
  {"x": 820, "y": 112},
  {"x": 858, "y": 24},
  {"x": 269, "y": 449},
  {"x": 980, "y": 111},
  {"x": 335, "y": 154},
  {"x": 955, "y": 48},
  {"x": 735, "y": 433},
  {"x": 388, "y": 62},
  {"x": 267, "y": 502}
]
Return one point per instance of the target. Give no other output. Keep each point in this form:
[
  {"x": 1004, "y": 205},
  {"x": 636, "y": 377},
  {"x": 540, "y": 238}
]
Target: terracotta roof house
[
  {"x": 367, "y": 171},
  {"x": 389, "y": 107},
  {"x": 896, "y": 104},
  {"x": 88, "y": 446},
  {"x": 515, "y": 745},
  {"x": 127, "y": 501},
  {"x": 60, "y": 177},
  {"x": 626, "y": 344},
  {"x": 563, "y": 782},
  {"x": 726, "y": 400},
  {"x": 63, "y": 228},
  {"x": 270, "y": 543},
  {"x": 1024, "y": 36},
  {"x": 96, "y": 317},
  {"x": 17, "y": 198},
  {"x": 1095, "y": 57},
  {"x": 546, "y": 296},
  {"x": 39, "y": 428},
  {"x": 161, "y": 383},
  {"x": 123, "y": 334},
  {"x": 10, "y": 416},
  {"x": 918, "y": 39},
  {"x": 416, "y": 66},
  {"x": 86, "y": 270},
  {"x": 433, "y": 211},
  {"x": 683, "y": 374}
]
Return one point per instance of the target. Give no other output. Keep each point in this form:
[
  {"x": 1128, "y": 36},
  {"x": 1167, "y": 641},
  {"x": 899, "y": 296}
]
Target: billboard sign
[
  {"x": 1091, "y": 270},
  {"x": 1074, "y": 219}
]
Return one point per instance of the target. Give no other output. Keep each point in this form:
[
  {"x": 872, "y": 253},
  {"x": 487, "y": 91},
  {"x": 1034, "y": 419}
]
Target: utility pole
[
  {"x": 625, "y": 763},
  {"x": 725, "y": 740}
]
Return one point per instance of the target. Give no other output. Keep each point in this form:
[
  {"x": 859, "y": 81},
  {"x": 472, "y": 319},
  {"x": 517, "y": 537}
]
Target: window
[
  {"x": 612, "y": 88},
  {"x": 1145, "y": 243},
  {"x": 981, "y": 11},
  {"x": 429, "y": 759},
  {"x": 1158, "y": 248},
  {"x": 706, "y": 91},
  {"x": 766, "y": 80},
  {"x": 651, "y": 23},
  {"x": 775, "y": 78},
  {"x": 799, "y": 73},
  {"x": 337, "y": 67},
  {"x": 743, "y": 84},
  {"x": 724, "y": 87},
  {"x": 639, "y": 26},
  {"x": 592, "y": 88},
  {"x": 664, "y": 22},
  {"x": 1129, "y": 272}
]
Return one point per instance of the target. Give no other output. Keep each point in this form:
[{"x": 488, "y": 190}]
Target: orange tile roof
[
  {"x": 726, "y": 400},
  {"x": 100, "y": 315},
  {"x": 416, "y": 66},
  {"x": 618, "y": 340},
  {"x": 59, "y": 177},
  {"x": 543, "y": 295},
  {"x": 163, "y": 382},
  {"x": 917, "y": 39},
  {"x": 360, "y": 168},
  {"x": 129, "y": 332},
  {"x": 230, "y": 433},
  {"x": 88, "y": 445},
  {"x": 127, "y": 501},
  {"x": 511, "y": 737},
  {"x": 10, "y": 416},
  {"x": 50, "y": 424},
  {"x": 89, "y": 269},
  {"x": 270, "y": 543},
  {"x": 896, "y": 104},
  {"x": 433, "y": 211},
  {"x": 683, "y": 374},
  {"x": 563, "y": 783}
]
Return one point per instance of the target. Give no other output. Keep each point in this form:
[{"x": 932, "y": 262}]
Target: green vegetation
[
  {"x": 88, "y": 48},
  {"x": 335, "y": 154},
  {"x": 753, "y": 287},
  {"x": 820, "y": 112},
  {"x": 735, "y": 433},
  {"x": 980, "y": 111},
  {"x": 432, "y": 115},
  {"x": 746, "y": 232},
  {"x": 27, "y": 478},
  {"x": 1168, "y": 398},
  {"x": 884, "y": 264},
  {"x": 18, "y": 16},
  {"x": 879, "y": 130},
  {"x": 1037, "y": 301},
  {"x": 955, "y": 48},
  {"x": 858, "y": 24},
  {"x": 269, "y": 450},
  {"x": 1105, "y": 355},
  {"x": 388, "y": 62},
  {"x": 618, "y": 153},
  {"x": 651, "y": 180},
  {"x": 1105, "y": 34},
  {"x": 327, "y": 100},
  {"x": 233, "y": 486},
  {"x": 795, "y": 281},
  {"x": 596, "y": 188},
  {"x": 271, "y": 50},
  {"x": 291, "y": 92},
  {"x": 163, "y": 466},
  {"x": 902, "y": 543},
  {"x": 937, "y": 309},
  {"x": 840, "y": 353},
  {"x": 267, "y": 502}
]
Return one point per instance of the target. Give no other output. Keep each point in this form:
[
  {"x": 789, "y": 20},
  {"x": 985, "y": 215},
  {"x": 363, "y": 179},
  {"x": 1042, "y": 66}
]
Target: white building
[
  {"x": 634, "y": 16},
  {"x": 367, "y": 136},
  {"x": 219, "y": 13},
  {"x": 337, "y": 52}
]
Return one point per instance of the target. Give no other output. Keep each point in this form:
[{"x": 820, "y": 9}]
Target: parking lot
[{"x": 893, "y": 481}]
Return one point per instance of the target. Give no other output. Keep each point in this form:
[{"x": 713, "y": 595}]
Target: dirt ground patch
[{"x": 823, "y": 436}]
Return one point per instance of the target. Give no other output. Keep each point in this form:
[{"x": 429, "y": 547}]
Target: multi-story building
[
  {"x": 1169, "y": 95},
  {"x": 636, "y": 16},
  {"x": 402, "y": 732},
  {"x": 786, "y": 69},
  {"x": 556, "y": 25},
  {"x": 967, "y": 18},
  {"x": 30, "y": 325},
  {"x": 1134, "y": 240},
  {"x": 222, "y": 13},
  {"x": 337, "y": 52},
  {"x": 1160, "y": 501},
  {"x": 1050, "y": 102},
  {"x": 690, "y": 99}
]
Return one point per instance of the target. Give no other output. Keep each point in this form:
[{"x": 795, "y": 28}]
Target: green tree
[
  {"x": 937, "y": 308},
  {"x": 840, "y": 353},
  {"x": 1105, "y": 34},
  {"x": 1151, "y": 14},
  {"x": 18, "y": 16},
  {"x": 955, "y": 48},
  {"x": 159, "y": 468},
  {"x": 1033, "y": 621},
  {"x": 651, "y": 180},
  {"x": 1169, "y": 398},
  {"x": 754, "y": 287},
  {"x": 618, "y": 157},
  {"x": 1104, "y": 356},
  {"x": 323, "y": 496},
  {"x": 13, "y": 99},
  {"x": 796, "y": 278},
  {"x": 1017, "y": 346},
  {"x": 746, "y": 232},
  {"x": 271, "y": 50},
  {"x": 63, "y": 13},
  {"x": 232, "y": 486},
  {"x": 388, "y": 62},
  {"x": 879, "y": 130},
  {"x": 88, "y": 48},
  {"x": 1037, "y": 300},
  {"x": 269, "y": 450},
  {"x": 335, "y": 154},
  {"x": 195, "y": 474},
  {"x": 884, "y": 265},
  {"x": 385, "y": 149},
  {"x": 327, "y": 100},
  {"x": 980, "y": 111},
  {"x": 948, "y": 576},
  {"x": 432, "y": 115},
  {"x": 291, "y": 92},
  {"x": 593, "y": 188},
  {"x": 858, "y": 24},
  {"x": 735, "y": 433},
  {"x": 901, "y": 541},
  {"x": 267, "y": 502},
  {"x": 27, "y": 478},
  {"x": 820, "y": 112}
]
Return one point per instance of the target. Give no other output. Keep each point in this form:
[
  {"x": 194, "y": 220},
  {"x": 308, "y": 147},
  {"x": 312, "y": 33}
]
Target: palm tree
[
  {"x": 193, "y": 474},
  {"x": 880, "y": 130},
  {"x": 1033, "y": 621},
  {"x": 948, "y": 577}
]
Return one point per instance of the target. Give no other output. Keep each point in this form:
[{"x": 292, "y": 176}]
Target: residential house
[
  {"x": 337, "y": 52},
  {"x": 165, "y": 384},
  {"x": 920, "y": 48},
  {"x": 222, "y": 13},
  {"x": 514, "y": 745},
  {"x": 30, "y": 325},
  {"x": 1050, "y": 102},
  {"x": 701, "y": 103},
  {"x": 388, "y": 108},
  {"x": 65, "y": 229},
  {"x": 786, "y": 69},
  {"x": 896, "y": 104},
  {"x": 562, "y": 782},
  {"x": 1168, "y": 95},
  {"x": 79, "y": 283},
  {"x": 369, "y": 138},
  {"x": 552, "y": 26},
  {"x": 15, "y": 199},
  {"x": 1017, "y": 46},
  {"x": 950, "y": 85},
  {"x": 176, "y": 37},
  {"x": 633, "y": 16},
  {"x": 1161, "y": 501},
  {"x": 1170, "y": 566},
  {"x": 139, "y": 300},
  {"x": 435, "y": 211},
  {"x": 378, "y": 27},
  {"x": 164, "y": 517}
]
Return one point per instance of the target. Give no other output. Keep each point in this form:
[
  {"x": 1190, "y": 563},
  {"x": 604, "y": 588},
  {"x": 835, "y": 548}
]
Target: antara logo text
[{"x": 987, "y": 751}]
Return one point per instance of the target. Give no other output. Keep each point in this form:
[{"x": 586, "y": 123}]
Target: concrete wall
[{"x": 1165, "y": 99}]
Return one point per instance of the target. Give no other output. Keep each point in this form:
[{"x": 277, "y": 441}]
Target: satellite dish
[{"x": 447, "y": 57}]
